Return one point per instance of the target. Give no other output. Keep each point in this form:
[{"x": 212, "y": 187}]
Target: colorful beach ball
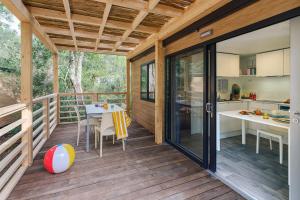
[{"x": 59, "y": 158}]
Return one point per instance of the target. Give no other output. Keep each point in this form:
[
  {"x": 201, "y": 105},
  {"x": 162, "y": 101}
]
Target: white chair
[
  {"x": 92, "y": 122},
  {"x": 106, "y": 129},
  {"x": 278, "y": 135}
]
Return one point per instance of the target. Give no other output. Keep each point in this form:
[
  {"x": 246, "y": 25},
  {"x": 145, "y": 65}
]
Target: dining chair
[
  {"x": 106, "y": 128},
  {"x": 92, "y": 122}
]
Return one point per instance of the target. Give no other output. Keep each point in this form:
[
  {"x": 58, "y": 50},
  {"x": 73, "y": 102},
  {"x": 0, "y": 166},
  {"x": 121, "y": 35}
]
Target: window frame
[{"x": 147, "y": 65}]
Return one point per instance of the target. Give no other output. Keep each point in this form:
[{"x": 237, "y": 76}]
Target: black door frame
[
  {"x": 209, "y": 158},
  {"x": 170, "y": 90}
]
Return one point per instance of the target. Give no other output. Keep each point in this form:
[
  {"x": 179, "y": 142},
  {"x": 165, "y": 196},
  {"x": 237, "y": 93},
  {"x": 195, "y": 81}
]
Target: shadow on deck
[{"x": 144, "y": 171}]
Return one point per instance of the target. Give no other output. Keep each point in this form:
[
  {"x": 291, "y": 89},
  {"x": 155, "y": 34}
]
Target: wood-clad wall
[
  {"x": 261, "y": 10},
  {"x": 142, "y": 111}
]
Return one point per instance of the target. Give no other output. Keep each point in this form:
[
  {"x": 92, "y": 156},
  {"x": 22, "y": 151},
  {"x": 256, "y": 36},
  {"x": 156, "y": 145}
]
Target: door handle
[
  {"x": 209, "y": 107},
  {"x": 297, "y": 113}
]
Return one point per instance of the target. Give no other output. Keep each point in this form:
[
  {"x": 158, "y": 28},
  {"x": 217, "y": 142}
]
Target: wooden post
[
  {"x": 159, "y": 92},
  {"x": 56, "y": 86},
  {"x": 95, "y": 97},
  {"x": 46, "y": 119},
  {"x": 128, "y": 80},
  {"x": 26, "y": 89}
]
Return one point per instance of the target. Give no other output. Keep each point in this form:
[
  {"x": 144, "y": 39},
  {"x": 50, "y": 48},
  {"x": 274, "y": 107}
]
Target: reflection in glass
[
  {"x": 144, "y": 82},
  {"x": 152, "y": 81},
  {"x": 188, "y": 114}
]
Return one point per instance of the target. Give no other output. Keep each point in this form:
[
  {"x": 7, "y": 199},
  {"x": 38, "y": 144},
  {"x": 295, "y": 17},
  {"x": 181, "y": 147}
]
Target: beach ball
[{"x": 59, "y": 158}]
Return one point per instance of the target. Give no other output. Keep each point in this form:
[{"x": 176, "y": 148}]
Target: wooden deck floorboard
[{"x": 144, "y": 171}]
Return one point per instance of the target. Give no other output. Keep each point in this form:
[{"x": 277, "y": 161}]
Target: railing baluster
[
  {"x": 27, "y": 138},
  {"x": 46, "y": 119}
]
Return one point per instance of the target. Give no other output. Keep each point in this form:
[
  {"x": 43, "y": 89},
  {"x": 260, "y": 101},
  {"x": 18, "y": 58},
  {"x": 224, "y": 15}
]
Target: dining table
[
  {"x": 250, "y": 118},
  {"x": 96, "y": 111}
]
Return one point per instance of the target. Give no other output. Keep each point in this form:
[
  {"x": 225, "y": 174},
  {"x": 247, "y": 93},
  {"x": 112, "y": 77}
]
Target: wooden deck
[{"x": 144, "y": 171}]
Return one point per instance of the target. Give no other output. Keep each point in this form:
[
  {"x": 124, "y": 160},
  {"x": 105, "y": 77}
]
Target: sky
[{"x": 15, "y": 25}]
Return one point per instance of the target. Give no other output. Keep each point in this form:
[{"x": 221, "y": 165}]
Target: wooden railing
[
  {"x": 44, "y": 120},
  {"x": 67, "y": 101},
  {"x": 22, "y": 139},
  {"x": 29, "y": 127}
]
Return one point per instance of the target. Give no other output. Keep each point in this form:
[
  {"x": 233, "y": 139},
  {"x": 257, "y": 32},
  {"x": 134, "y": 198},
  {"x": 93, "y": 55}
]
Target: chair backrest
[
  {"x": 106, "y": 121},
  {"x": 77, "y": 113}
]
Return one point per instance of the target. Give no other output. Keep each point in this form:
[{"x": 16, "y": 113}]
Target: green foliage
[
  {"x": 100, "y": 73},
  {"x": 104, "y": 73}
]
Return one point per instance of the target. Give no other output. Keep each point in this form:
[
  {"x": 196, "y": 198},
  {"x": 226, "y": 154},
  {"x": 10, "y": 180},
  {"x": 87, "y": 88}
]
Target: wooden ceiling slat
[
  {"x": 102, "y": 26},
  {"x": 59, "y": 15},
  {"x": 112, "y": 24},
  {"x": 142, "y": 5},
  {"x": 68, "y": 14}
]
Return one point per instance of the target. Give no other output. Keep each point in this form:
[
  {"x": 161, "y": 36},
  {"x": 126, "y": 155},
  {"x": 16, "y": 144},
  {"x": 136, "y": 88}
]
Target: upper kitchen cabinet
[
  {"x": 286, "y": 62},
  {"x": 270, "y": 63},
  {"x": 228, "y": 65}
]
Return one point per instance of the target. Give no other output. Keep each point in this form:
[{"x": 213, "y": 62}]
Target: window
[{"x": 148, "y": 81}]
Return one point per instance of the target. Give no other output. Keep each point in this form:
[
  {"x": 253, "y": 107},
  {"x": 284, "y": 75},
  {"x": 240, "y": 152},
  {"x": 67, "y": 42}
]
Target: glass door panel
[{"x": 188, "y": 92}]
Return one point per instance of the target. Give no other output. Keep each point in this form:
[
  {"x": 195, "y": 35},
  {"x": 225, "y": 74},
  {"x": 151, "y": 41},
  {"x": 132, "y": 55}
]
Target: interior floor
[{"x": 260, "y": 176}]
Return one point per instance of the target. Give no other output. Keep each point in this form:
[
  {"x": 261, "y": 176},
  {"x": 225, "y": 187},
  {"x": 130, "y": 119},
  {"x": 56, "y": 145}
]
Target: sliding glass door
[{"x": 186, "y": 86}]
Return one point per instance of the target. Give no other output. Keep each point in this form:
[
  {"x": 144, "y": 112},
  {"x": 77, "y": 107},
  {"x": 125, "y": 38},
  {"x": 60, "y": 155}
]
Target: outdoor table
[{"x": 96, "y": 110}]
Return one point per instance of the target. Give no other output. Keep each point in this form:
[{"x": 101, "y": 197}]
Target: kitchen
[{"x": 253, "y": 87}]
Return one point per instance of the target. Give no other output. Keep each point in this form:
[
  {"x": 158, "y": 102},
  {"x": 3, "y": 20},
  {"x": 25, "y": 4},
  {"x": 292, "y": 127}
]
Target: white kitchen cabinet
[
  {"x": 228, "y": 65},
  {"x": 269, "y": 63},
  {"x": 286, "y": 62}
]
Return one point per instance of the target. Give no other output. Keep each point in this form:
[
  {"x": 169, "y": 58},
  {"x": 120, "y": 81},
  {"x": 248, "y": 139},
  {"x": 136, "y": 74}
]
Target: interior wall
[
  {"x": 142, "y": 111},
  {"x": 266, "y": 88}
]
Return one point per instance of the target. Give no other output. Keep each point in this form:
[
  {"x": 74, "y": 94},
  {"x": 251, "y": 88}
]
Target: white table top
[
  {"x": 92, "y": 109},
  {"x": 254, "y": 118}
]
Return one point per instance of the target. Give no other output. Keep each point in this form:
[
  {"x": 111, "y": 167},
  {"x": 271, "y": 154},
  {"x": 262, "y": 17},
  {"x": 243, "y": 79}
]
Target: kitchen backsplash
[{"x": 266, "y": 88}]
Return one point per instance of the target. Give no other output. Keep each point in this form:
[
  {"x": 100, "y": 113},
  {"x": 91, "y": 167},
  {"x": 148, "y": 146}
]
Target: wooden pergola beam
[
  {"x": 104, "y": 19},
  {"x": 91, "y": 50},
  {"x": 95, "y": 21},
  {"x": 137, "y": 21},
  {"x": 17, "y": 8},
  {"x": 60, "y": 41},
  {"x": 86, "y": 34},
  {"x": 68, "y": 14},
  {"x": 142, "y": 5}
]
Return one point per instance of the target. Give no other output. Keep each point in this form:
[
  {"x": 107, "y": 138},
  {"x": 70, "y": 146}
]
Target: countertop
[{"x": 258, "y": 100}]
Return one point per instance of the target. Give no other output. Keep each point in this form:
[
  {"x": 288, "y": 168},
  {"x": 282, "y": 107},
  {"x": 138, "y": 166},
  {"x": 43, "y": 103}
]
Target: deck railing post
[
  {"x": 46, "y": 119},
  {"x": 159, "y": 92},
  {"x": 128, "y": 81},
  {"x": 95, "y": 97},
  {"x": 56, "y": 86},
  {"x": 26, "y": 90}
]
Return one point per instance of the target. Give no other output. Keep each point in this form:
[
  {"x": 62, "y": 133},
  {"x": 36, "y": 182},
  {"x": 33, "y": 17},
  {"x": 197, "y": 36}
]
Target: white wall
[{"x": 266, "y": 88}]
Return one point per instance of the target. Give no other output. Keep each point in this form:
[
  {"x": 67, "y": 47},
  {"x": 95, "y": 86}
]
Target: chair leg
[
  {"x": 271, "y": 146},
  {"x": 101, "y": 141},
  {"x": 78, "y": 133},
  {"x": 280, "y": 150},
  {"x": 123, "y": 142},
  {"x": 113, "y": 139},
  {"x": 257, "y": 142},
  {"x": 106, "y": 137}
]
